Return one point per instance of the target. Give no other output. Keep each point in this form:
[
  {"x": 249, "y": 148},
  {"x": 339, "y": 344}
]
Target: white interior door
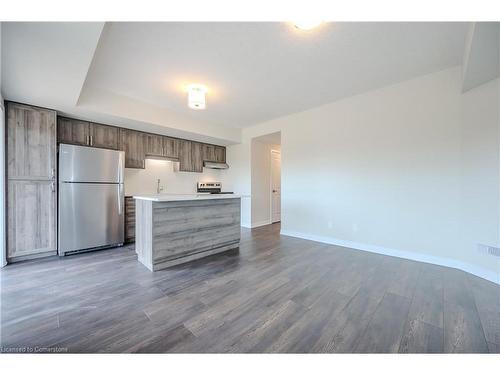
[{"x": 275, "y": 186}]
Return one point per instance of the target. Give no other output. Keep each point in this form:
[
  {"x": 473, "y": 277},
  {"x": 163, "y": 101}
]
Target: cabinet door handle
[
  {"x": 91, "y": 140},
  {"x": 53, "y": 186},
  {"x": 53, "y": 173}
]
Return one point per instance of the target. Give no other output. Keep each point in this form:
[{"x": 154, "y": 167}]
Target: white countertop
[{"x": 184, "y": 197}]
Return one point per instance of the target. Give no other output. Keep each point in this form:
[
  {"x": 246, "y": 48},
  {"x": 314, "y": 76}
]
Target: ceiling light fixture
[
  {"x": 196, "y": 96},
  {"x": 307, "y": 24}
]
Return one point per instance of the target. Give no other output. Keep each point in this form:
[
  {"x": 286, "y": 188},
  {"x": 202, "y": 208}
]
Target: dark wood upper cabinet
[
  {"x": 73, "y": 132},
  {"x": 134, "y": 145},
  {"x": 160, "y": 146},
  {"x": 139, "y": 145},
  {"x": 197, "y": 157},
  {"x": 104, "y": 136},
  {"x": 154, "y": 145},
  {"x": 83, "y": 133},
  {"x": 208, "y": 152},
  {"x": 171, "y": 147},
  {"x": 220, "y": 154},
  {"x": 214, "y": 153},
  {"x": 185, "y": 156},
  {"x": 190, "y": 156},
  {"x": 31, "y": 142}
]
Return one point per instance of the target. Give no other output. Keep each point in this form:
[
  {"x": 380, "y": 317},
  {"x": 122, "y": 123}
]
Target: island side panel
[
  {"x": 144, "y": 232},
  {"x": 188, "y": 230}
]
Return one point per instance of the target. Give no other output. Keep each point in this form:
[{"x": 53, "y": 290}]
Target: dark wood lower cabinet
[
  {"x": 129, "y": 219},
  {"x": 31, "y": 217}
]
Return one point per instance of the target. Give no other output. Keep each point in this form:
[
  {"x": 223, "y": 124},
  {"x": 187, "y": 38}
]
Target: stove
[{"x": 211, "y": 187}]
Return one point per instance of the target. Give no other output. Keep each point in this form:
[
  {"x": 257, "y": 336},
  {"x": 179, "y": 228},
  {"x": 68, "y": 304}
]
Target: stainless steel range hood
[{"x": 215, "y": 165}]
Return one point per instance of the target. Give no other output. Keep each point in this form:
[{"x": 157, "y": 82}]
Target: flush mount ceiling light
[
  {"x": 306, "y": 24},
  {"x": 196, "y": 96}
]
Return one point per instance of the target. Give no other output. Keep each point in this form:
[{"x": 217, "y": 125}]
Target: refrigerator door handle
[
  {"x": 120, "y": 169},
  {"x": 120, "y": 199}
]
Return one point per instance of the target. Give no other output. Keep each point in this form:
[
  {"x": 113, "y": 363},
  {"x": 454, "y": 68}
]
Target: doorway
[
  {"x": 275, "y": 186},
  {"x": 266, "y": 179}
]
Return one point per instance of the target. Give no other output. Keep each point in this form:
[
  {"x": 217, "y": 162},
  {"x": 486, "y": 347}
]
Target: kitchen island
[{"x": 176, "y": 228}]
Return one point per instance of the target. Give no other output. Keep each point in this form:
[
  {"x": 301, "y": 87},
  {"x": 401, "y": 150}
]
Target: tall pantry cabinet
[{"x": 31, "y": 182}]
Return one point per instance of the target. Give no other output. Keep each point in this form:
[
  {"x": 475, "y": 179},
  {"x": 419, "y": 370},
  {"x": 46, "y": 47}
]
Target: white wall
[
  {"x": 144, "y": 181},
  {"x": 480, "y": 169},
  {"x": 389, "y": 171},
  {"x": 237, "y": 178},
  {"x": 377, "y": 166}
]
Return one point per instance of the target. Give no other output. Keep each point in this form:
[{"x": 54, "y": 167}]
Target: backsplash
[{"x": 144, "y": 181}]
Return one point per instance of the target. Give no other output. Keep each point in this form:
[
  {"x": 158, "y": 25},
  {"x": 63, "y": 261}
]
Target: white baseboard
[{"x": 425, "y": 258}]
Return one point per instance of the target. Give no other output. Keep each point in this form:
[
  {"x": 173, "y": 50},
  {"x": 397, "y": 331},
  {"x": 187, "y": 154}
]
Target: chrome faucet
[{"x": 159, "y": 188}]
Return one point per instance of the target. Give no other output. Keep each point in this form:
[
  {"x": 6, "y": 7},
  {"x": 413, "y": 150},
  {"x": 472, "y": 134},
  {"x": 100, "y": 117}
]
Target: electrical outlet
[
  {"x": 330, "y": 224},
  {"x": 488, "y": 250}
]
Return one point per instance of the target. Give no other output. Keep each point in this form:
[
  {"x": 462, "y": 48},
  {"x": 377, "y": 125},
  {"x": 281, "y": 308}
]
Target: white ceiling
[
  {"x": 259, "y": 71},
  {"x": 482, "y": 54},
  {"x": 46, "y": 63},
  {"x": 135, "y": 72}
]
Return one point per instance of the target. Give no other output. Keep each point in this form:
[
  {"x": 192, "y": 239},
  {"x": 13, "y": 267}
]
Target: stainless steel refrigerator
[{"x": 91, "y": 198}]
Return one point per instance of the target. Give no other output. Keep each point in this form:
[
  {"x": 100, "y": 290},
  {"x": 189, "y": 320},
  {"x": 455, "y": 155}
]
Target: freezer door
[
  {"x": 88, "y": 164},
  {"x": 90, "y": 215}
]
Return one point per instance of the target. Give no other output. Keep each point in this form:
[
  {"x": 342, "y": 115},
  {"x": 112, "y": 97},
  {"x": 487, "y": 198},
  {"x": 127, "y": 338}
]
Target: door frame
[{"x": 271, "y": 186}]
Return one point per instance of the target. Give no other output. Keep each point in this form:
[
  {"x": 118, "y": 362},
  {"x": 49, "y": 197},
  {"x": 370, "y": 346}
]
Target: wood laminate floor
[{"x": 276, "y": 294}]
